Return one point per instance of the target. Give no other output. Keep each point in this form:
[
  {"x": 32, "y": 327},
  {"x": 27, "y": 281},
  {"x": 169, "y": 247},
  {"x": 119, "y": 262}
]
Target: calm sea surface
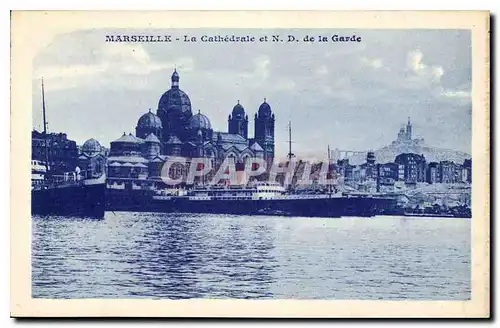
[{"x": 145, "y": 255}]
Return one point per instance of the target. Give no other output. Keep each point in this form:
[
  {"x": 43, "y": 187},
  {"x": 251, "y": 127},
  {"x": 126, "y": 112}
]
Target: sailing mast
[{"x": 45, "y": 132}]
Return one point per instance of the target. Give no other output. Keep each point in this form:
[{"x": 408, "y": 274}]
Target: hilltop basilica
[
  {"x": 405, "y": 136},
  {"x": 175, "y": 131}
]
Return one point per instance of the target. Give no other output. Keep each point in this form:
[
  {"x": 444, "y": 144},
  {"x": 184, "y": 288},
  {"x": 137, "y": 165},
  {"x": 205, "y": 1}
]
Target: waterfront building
[
  {"x": 386, "y": 184},
  {"x": 174, "y": 131},
  {"x": 129, "y": 159},
  {"x": 450, "y": 172},
  {"x": 414, "y": 167},
  {"x": 345, "y": 169},
  {"x": 388, "y": 175},
  {"x": 61, "y": 151},
  {"x": 358, "y": 174},
  {"x": 369, "y": 169},
  {"x": 447, "y": 172},
  {"x": 390, "y": 170},
  {"x": 458, "y": 173},
  {"x": 92, "y": 159},
  {"x": 433, "y": 173},
  {"x": 401, "y": 172},
  {"x": 465, "y": 174},
  {"x": 468, "y": 168}
]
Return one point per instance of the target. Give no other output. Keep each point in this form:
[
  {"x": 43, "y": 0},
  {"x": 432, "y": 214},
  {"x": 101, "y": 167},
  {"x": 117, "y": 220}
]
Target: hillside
[{"x": 432, "y": 154}]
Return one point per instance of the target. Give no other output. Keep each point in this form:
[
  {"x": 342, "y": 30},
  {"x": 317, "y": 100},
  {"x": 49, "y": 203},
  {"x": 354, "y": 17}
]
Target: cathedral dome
[
  {"x": 149, "y": 120},
  {"x": 199, "y": 121},
  {"x": 175, "y": 99},
  {"x": 265, "y": 109},
  {"x": 238, "y": 110},
  {"x": 91, "y": 147},
  {"x": 173, "y": 140},
  {"x": 128, "y": 139},
  {"x": 152, "y": 138}
]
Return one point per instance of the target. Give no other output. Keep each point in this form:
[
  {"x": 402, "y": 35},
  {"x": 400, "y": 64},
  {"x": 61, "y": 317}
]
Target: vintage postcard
[{"x": 250, "y": 164}]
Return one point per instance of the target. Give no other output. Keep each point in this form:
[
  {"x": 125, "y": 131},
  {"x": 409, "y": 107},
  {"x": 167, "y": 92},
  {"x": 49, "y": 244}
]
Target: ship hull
[
  {"x": 77, "y": 200},
  {"x": 301, "y": 207}
]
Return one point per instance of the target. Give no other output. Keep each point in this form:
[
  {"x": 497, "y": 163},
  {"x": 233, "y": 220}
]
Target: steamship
[
  {"x": 264, "y": 198},
  {"x": 67, "y": 194},
  {"x": 260, "y": 198},
  {"x": 255, "y": 198}
]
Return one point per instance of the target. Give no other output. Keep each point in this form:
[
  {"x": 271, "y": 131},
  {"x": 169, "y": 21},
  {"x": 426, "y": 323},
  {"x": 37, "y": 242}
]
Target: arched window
[{"x": 245, "y": 157}]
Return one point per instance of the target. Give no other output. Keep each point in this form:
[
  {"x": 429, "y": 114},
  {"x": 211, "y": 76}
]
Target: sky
[{"x": 352, "y": 96}]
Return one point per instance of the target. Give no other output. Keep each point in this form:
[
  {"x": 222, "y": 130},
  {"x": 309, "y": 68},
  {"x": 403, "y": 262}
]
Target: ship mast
[
  {"x": 200, "y": 150},
  {"x": 329, "y": 171},
  {"x": 45, "y": 132},
  {"x": 290, "y": 154}
]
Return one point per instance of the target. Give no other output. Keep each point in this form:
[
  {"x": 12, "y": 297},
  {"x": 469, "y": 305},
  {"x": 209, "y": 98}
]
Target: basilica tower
[
  {"x": 264, "y": 130},
  {"x": 238, "y": 121},
  {"x": 408, "y": 130}
]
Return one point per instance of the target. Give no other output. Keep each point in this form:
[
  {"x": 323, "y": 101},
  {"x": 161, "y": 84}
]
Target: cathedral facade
[
  {"x": 184, "y": 133},
  {"x": 176, "y": 130}
]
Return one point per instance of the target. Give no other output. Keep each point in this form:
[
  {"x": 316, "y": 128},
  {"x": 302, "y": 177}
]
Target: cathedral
[{"x": 176, "y": 131}]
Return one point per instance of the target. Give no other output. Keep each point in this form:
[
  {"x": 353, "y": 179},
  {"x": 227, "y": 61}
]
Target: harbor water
[{"x": 146, "y": 255}]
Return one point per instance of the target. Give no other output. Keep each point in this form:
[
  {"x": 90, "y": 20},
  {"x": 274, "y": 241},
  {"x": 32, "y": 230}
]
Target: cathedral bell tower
[
  {"x": 238, "y": 122},
  {"x": 264, "y": 130}
]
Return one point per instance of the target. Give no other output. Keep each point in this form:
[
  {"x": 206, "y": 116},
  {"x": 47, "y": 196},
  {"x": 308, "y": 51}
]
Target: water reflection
[{"x": 208, "y": 256}]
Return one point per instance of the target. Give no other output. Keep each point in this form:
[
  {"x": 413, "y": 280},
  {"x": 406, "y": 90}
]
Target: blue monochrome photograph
[{"x": 217, "y": 163}]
